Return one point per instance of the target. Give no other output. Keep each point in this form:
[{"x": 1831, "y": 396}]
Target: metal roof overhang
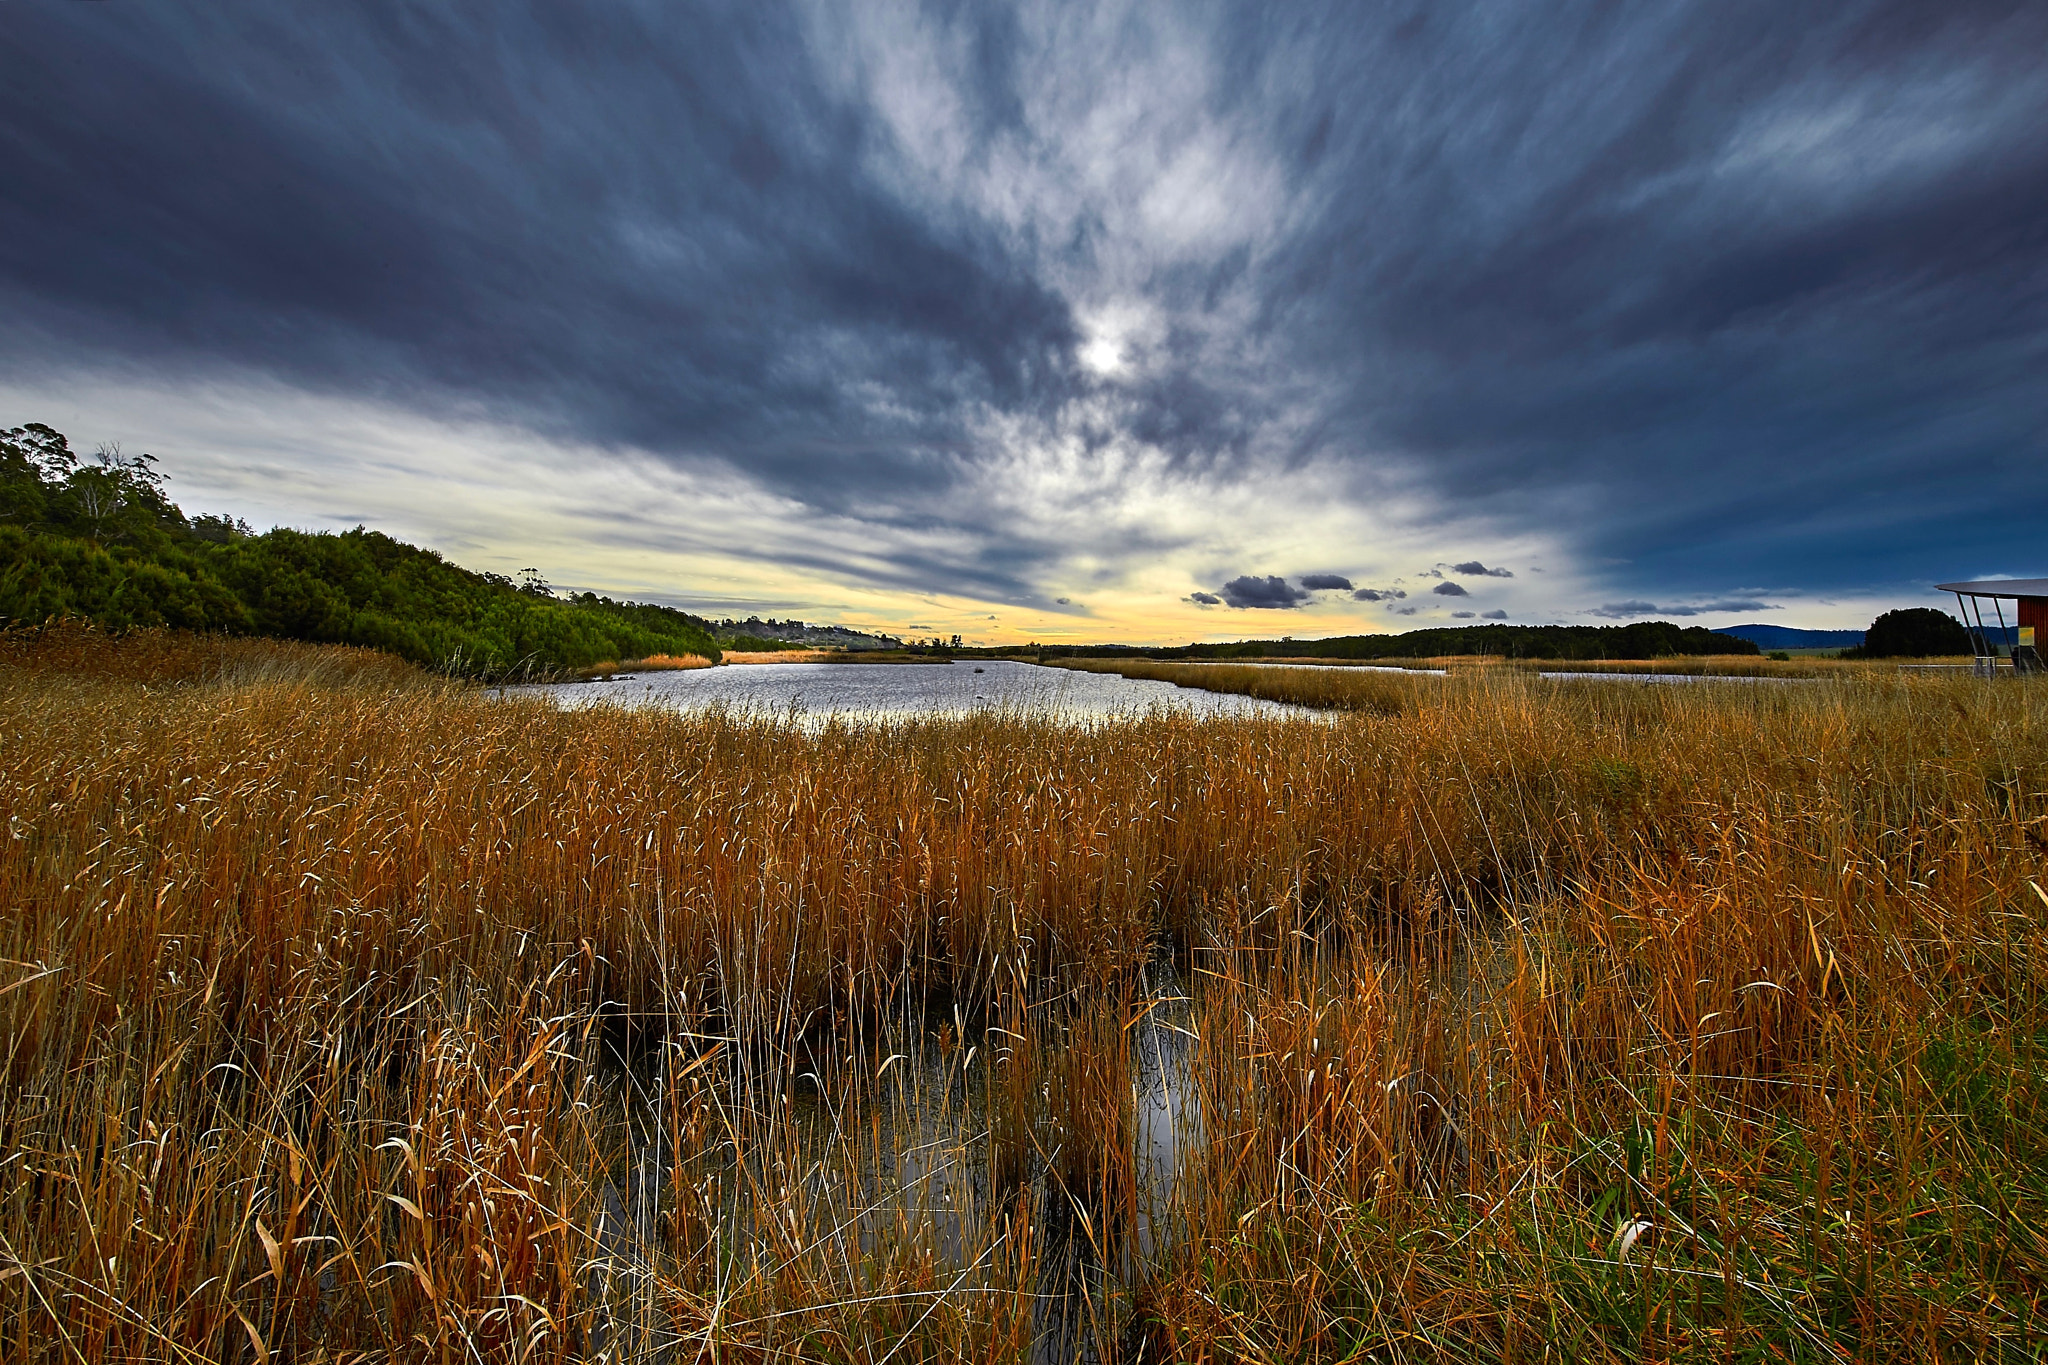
[{"x": 1999, "y": 587}]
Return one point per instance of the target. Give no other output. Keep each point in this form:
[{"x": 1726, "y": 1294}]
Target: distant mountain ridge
[{"x": 1790, "y": 637}]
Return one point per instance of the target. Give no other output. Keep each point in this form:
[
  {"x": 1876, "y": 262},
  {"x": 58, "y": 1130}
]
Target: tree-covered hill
[
  {"x": 1639, "y": 640},
  {"x": 97, "y": 539}
]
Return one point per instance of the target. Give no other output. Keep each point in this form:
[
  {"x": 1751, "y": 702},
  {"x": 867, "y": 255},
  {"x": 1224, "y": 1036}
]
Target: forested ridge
[
  {"x": 97, "y": 539},
  {"x": 1639, "y": 640}
]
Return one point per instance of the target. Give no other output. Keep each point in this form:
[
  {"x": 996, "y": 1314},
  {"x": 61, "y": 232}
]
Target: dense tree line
[
  {"x": 1913, "y": 633},
  {"x": 97, "y": 539},
  {"x": 1641, "y": 640},
  {"x": 1638, "y": 640}
]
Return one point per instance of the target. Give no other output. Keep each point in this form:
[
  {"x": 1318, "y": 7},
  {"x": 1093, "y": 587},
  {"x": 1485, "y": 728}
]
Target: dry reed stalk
[{"x": 348, "y": 1010}]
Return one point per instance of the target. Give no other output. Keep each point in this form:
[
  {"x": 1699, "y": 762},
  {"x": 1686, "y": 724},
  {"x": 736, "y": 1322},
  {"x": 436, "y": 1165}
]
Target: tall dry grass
[
  {"x": 387, "y": 1018},
  {"x": 1710, "y": 666}
]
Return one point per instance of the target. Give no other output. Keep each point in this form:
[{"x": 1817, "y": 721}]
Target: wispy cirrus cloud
[{"x": 1635, "y": 609}]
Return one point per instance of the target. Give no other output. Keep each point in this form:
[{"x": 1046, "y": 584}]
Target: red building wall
[{"x": 2034, "y": 612}]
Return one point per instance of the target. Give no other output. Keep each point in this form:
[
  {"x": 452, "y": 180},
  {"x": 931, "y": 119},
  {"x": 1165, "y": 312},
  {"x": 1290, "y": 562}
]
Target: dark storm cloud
[
  {"x": 1450, "y": 589},
  {"x": 1325, "y": 582},
  {"x": 1727, "y": 290},
  {"x": 1473, "y": 566},
  {"x": 1271, "y": 591},
  {"x": 1766, "y": 290},
  {"x": 619, "y": 227}
]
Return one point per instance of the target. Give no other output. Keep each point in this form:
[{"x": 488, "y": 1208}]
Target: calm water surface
[{"x": 888, "y": 691}]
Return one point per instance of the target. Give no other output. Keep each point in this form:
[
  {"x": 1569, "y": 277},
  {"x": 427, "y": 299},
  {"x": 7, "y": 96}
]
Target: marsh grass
[
  {"x": 653, "y": 663},
  {"x": 786, "y": 656},
  {"x": 1331, "y": 689},
  {"x": 1709, "y": 666},
  {"x": 1233, "y": 677},
  {"x": 352, "y": 1012}
]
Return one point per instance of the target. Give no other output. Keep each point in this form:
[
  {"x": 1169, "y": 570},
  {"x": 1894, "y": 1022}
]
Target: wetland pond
[{"x": 901, "y": 691}]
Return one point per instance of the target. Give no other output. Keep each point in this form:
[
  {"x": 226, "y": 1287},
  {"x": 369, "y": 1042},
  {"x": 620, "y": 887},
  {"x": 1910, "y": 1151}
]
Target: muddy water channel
[{"x": 1038, "y": 1166}]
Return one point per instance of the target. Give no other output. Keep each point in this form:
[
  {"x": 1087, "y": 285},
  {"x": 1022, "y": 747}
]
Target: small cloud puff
[
  {"x": 1473, "y": 566},
  {"x": 1378, "y": 595},
  {"x": 1463, "y": 615},
  {"x": 1449, "y": 589},
  {"x": 1404, "y": 611},
  {"x": 1496, "y": 615},
  {"x": 1203, "y": 599},
  {"x": 1325, "y": 582}
]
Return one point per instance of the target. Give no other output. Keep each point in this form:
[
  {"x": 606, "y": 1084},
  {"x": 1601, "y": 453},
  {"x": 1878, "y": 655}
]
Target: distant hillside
[
  {"x": 1787, "y": 637},
  {"x": 798, "y": 635},
  {"x": 97, "y": 540}
]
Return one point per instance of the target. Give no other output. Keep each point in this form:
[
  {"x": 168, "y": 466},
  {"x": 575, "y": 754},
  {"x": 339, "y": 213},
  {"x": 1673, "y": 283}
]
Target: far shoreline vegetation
[{"x": 97, "y": 540}]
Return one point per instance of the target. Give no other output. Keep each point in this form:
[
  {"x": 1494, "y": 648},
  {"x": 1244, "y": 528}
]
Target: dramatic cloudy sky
[{"x": 1057, "y": 321}]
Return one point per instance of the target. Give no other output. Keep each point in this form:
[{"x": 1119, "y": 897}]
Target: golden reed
[{"x": 353, "y": 1014}]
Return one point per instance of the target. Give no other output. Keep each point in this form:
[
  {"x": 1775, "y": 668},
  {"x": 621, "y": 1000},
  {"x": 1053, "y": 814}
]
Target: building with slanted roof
[{"x": 2030, "y": 615}]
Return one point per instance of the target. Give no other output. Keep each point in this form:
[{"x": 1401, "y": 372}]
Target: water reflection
[
  {"x": 1167, "y": 1113},
  {"x": 887, "y": 1151}
]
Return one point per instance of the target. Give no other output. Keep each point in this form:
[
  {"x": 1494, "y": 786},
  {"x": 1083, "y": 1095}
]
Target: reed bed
[
  {"x": 351, "y": 1014},
  {"x": 1708, "y": 666},
  {"x": 785, "y": 656},
  {"x": 1408, "y": 665},
  {"x": 653, "y": 663},
  {"x": 1329, "y": 689}
]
